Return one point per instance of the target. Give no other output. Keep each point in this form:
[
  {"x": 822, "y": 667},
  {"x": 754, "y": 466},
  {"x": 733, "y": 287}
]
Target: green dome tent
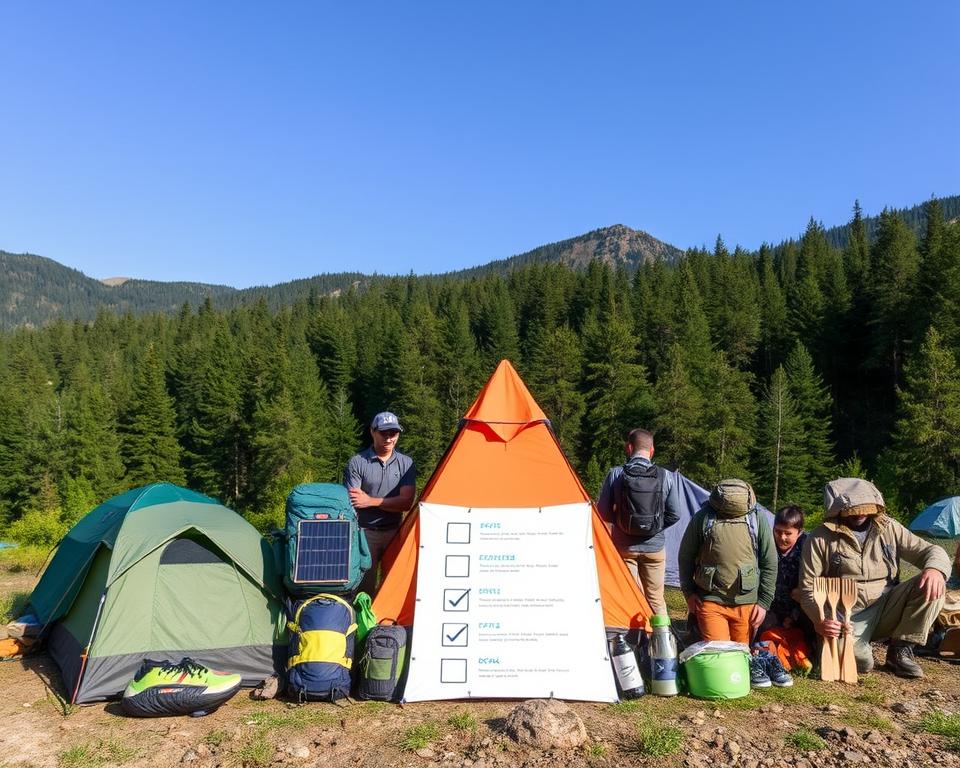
[{"x": 159, "y": 572}]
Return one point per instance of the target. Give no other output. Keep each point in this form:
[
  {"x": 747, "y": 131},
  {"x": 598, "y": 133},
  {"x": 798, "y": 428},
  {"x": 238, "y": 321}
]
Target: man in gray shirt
[
  {"x": 381, "y": 483},
  {"x": 638, "y": 501}
]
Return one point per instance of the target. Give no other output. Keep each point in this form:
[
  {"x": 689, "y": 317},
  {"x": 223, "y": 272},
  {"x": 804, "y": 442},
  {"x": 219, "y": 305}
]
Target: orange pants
[
  {"x": 790, "y": 646},
  {"x": 724, "y": 622}
]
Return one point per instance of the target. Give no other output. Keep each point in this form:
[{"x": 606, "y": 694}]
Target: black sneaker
[
  {"x": 901, "y": 662},
  {"x": 776, "y": 671},
  {"x": 758, "y": 673}
]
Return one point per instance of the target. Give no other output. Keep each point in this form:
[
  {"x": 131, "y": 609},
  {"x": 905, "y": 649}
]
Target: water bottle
[
  {"x": 625, "y": 667},
  {"x": 663, "y": 658}
]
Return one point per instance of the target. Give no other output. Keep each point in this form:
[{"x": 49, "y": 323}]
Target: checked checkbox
[
  {"x": 456, "y": 600},
  {"x": 455, "y": 635}
]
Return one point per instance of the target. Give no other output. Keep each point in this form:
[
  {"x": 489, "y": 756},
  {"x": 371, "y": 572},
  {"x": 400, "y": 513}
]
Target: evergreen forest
[{"x": 786, "y": 366}]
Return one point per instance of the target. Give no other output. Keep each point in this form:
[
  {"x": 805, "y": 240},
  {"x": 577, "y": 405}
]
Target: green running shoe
[{"x": 163, "y": 688}]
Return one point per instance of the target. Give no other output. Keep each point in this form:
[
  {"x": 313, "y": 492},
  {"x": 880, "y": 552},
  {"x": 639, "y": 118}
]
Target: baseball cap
[{"x": 384, "y": 421}]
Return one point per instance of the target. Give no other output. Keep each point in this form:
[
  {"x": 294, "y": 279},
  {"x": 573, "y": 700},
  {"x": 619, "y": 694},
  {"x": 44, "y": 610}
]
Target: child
[
  {"x": 728, "y": 571},
  {"x": 785, "y": 628}
]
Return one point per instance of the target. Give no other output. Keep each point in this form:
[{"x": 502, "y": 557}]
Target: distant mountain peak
[{"x": 115, "y": 281}]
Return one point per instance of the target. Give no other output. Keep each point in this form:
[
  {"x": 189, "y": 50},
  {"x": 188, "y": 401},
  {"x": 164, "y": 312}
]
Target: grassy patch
[
  {"x": 868, "y": 720},
  {"x": 23, "y": 559},
  {"x": 804, "y": 740},
  {"x": 290, "y": 717},
  {"x": 373, "y": 707},
  {"x": 803, "y": 691},
  {"x": 97, "y": 753},
  {"x": 12, "y": 605},
  {"x": 676, "y": 602},
  {"x": 597, "y": 750},
  {"x": 118, "y": 753},
  {"x": 418, "y": 737},
  {"x": 654, "y": 739},
  {"x": 463, "y": 721},
  {"x": 626, "y": 707},
  {"x": 256, "y": 753},
  {"x": 80, "y": 756},
  {"x": 216, "y": 738},
  {"x": 943, "y": 725}
]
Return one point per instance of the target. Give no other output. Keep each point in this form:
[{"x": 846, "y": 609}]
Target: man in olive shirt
[{"x": 381, "y": 483}]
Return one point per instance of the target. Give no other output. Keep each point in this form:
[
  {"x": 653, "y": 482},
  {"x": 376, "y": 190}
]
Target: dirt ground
[{"x": 884, "y": 721}]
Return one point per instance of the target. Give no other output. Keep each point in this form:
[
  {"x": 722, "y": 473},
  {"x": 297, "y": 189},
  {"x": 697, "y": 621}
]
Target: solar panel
[{"x": 323, "y": 552}]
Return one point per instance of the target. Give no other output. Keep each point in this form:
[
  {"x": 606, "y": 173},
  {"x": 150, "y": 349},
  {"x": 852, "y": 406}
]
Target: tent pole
[{"x": 86, "y": 650}]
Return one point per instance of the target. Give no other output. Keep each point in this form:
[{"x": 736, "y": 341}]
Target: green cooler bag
[{"x": 718, "y": 675}]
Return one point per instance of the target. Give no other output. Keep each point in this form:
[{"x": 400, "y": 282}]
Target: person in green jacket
[
  {"x": 728, "y": 568},
  {"x": 728, "y": 564}
]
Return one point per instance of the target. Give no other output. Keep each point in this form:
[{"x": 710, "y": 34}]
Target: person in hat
[
  {"x": 381, "y": 483},
  {"x": 858, "y": 540}
]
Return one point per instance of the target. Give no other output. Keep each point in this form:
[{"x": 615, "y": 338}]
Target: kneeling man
[{"x": 858, "y": 540}]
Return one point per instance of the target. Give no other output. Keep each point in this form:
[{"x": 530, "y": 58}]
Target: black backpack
[
  {"x": 383, "y": 663},
  {"x": 640, "y": 500}
]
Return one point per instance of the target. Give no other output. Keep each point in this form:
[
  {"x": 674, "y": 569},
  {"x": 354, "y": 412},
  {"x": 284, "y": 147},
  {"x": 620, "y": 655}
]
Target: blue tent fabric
[
  {"x": 940, "y": 520},
  {"x": 692, "y": 497}
]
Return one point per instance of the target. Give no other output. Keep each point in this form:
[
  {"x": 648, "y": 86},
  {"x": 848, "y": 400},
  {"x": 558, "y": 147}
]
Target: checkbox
[
  {"x": 453, "y": 670},
  {"x": 458, "y": 533},
  {"x": 454, "y": 635},
  {"x": 456, "y": 600},
  {"x": 457, "y": 566}
]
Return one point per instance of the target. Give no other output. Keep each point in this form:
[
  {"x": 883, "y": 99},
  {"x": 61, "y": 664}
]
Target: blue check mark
[
  {"x": 463, "y": 629},
  {"x": 457, "y": 602}
]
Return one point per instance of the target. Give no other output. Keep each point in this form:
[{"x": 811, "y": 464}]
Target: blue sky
[{"x": 251, "y": 143}]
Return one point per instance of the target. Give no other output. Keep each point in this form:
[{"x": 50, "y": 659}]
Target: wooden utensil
[
  {"x": 827, "y": 669},
  {"x": 833, "y": 599},
  {"x": 848, "y": 659}
]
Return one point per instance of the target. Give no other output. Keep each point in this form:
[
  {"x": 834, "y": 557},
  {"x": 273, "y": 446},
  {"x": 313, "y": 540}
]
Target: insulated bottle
[
  {"x": 625, "y": 667},
  {"x": 663, "y": 658}
]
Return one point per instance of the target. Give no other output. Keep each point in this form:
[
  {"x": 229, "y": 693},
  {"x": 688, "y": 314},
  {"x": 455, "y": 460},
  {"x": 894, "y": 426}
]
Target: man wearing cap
[
  {"x": 381, "y": 483},
  {"x": 858, "y": 540}
]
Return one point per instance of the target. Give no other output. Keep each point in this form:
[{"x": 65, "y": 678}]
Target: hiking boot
[
  {"x": 901, "y": 662},
  {"x": 758, "y": 673},
  {"x": 776, "y": 672},
  {"x": 188, "y": 688}
]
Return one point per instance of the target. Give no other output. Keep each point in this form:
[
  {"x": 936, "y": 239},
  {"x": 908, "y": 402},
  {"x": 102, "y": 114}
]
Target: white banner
[{"x": 508, "y": 606}]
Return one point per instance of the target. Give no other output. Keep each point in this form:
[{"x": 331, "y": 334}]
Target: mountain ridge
[{"x": 35, "y": 289}]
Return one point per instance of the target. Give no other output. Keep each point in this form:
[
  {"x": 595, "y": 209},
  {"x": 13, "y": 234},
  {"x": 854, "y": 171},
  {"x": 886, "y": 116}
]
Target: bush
[
  {"x": 804, "y": 740},
  {"x": 38, "y": 529}
]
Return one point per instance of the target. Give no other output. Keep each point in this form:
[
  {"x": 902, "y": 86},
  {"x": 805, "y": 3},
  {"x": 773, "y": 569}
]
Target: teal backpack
[{"x": 325, "y": 549}]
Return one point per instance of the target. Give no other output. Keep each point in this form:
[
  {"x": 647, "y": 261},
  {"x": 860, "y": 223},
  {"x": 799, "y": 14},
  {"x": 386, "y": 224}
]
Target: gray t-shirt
[{"x": 367, "y": 472}]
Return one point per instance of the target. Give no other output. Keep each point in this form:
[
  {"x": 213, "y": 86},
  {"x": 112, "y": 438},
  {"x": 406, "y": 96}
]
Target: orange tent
[{"x": 506, "y": 455}]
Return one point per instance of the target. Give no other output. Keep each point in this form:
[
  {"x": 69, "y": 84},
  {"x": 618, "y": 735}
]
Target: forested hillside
[{"x": 786, "y": 367}]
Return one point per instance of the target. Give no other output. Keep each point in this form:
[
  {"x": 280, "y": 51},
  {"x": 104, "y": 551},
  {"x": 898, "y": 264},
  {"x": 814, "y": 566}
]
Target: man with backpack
[
  {"x": 381, "y": 483},
  {"x": 728, "y": 564},
  {"x": 638, "y": 501}
]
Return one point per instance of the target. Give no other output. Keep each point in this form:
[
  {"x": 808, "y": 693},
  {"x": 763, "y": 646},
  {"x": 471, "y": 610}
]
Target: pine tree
[
  {"x": 773, "y": 314},
  {"x": 618, "y": 395},
  {"x": 927, "y": 434},
  {"x": 150, "y": 449},
  {"x": 894, "y": 268},
  {"x": 779, "y": 452},
  {"x": 857, "y": 254},
  {"x": 554, "y": 380},
  {"x": 813, "y": 408},
  {"x": 90, "y": 442},
  {"x": 729, "y": 422},
  {"x": 679, "y": 414}
]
